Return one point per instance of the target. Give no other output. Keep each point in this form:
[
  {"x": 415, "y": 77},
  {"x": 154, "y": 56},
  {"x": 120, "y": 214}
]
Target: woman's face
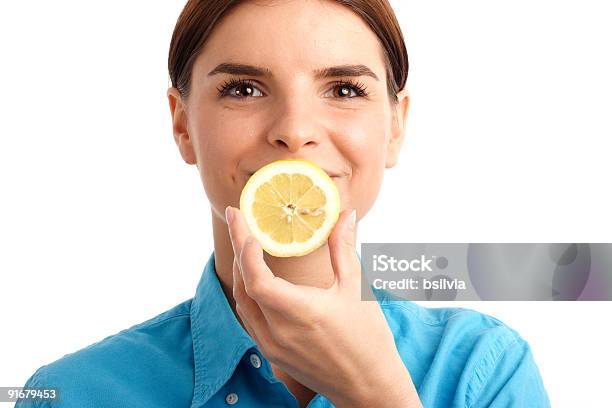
[{"x": 292, "y": 105}]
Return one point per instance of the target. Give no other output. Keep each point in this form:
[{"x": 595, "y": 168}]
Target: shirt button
[
  {"x": 255, "y": 360},
  {"x": 231, "y": 398}
]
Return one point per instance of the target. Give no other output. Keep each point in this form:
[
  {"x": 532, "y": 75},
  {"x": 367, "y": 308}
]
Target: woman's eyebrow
[{"x": 346, "y": 70}]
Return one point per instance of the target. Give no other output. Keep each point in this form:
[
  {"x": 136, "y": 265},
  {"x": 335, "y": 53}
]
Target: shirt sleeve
[
  {"x": 513, "y": 380},
  {"x": 35, "y": 381}
]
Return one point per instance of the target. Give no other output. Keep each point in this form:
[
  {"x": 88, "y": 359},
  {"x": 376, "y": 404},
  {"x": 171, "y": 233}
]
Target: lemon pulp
[{"x": 290, "y": 206}]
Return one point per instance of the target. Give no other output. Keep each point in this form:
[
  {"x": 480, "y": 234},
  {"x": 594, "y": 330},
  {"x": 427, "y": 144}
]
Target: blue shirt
[{"x": 198, "y": 355}]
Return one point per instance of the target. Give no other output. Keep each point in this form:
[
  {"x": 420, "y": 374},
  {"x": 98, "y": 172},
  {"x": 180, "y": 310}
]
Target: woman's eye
[
  {"x": 346, "y": 90},
  {"x": 240, "y": 89}
]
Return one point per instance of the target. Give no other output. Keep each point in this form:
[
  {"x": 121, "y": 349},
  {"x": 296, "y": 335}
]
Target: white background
[{"x": 102, "y": 225}]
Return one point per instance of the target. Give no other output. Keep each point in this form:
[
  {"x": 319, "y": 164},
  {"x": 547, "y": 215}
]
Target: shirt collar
[{"x": 219, "y": 341}]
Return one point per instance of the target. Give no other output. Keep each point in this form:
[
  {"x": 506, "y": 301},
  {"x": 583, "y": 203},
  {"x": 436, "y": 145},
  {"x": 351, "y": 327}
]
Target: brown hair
[{"x": 198, "y": 18}]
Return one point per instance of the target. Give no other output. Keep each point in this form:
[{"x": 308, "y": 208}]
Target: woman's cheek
[
  {"x": 363, "y": 143},
  {"x": 364, "y": 147}
]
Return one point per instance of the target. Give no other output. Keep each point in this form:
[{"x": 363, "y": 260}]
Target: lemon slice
[{"x": 290, "y": 206}]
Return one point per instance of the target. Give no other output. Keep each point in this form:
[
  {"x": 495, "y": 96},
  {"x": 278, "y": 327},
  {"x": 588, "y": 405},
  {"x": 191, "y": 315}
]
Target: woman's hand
[{"x": 329, "y": 340}]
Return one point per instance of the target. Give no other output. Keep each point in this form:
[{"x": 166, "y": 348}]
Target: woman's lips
[{"x": 329, "y": 173}]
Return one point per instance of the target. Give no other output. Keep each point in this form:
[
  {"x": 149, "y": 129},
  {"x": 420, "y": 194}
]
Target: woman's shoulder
[
  {"x": 435, "y": 321},
  {"x": 439, "y": 331},
  {"x": 464, "y": 355},
  {"x": 99, "y": 370},
  {"x": 442, "y": 332}
]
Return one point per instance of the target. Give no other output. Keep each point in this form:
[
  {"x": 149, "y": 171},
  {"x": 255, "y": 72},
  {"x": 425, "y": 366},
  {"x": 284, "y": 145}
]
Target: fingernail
[
  {"x": 352, "y": 219},
  {"x": 228, "y": 214}
]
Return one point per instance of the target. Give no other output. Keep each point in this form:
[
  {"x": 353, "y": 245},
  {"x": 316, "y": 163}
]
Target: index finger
[
  {"x": 260, "y": 282},
  {"x": 238, "y": 229}
]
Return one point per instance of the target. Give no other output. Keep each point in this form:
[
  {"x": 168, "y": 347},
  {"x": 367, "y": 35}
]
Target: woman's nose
[{"x": 294, "y": 128}]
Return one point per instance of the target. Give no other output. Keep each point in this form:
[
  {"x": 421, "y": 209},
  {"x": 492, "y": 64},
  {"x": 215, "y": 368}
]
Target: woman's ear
[
  {"x": 398, "y": 126},
  {"x": 179, "y": 126}
]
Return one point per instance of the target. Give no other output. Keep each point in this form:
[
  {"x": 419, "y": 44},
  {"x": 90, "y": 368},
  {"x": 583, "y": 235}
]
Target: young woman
[{"x": 254, "y": 82}]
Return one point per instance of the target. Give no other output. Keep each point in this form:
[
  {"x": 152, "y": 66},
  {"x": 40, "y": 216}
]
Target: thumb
[{"x": 342, "y": 247}]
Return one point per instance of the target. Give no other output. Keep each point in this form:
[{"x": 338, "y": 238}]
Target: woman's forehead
[{"x": 304, "y": 35}]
